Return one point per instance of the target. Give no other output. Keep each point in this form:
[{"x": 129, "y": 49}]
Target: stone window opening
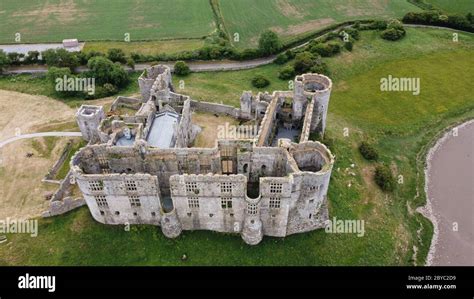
[
  {"x": 275, "y": 203},
  {"x": 101, "y": 201},
  {"x": 193, "y": 203},
  {"x": 226, "y": 187},
  {"x": 96, "y": 186},
  {"x": 131, "y": 186},
  {"x": 226, "y": 203},
  {"x": 246, "y": 168},
  {"x": 134, "y": 201},
  {"x": 276, "y": 187},
  {"x": 135, "y": 214},
  {"x": 102, "y": 213},
  {"x": 191, "y": 187},
  {"x": 153, "y": 214},
  {"x": 117, "y": 213},
  {"x": 252, "y": 209}
]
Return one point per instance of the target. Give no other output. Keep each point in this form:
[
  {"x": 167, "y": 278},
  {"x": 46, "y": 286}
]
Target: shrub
[
  {"x": 368, "y": 151},
  {"x": 131, "y": 63},
  {"x": 290, "y": 54},
  {"x": 260, "y": 81},
  {"x": 392, "y": 34},
  {"x": 282, "y": 59},
  {"x": 320, "y": 67},
  {"x": 116, "y": 55},
  {"x": 303, "y": 62},
  {"x": 56, "y": 72},
  {"x": 326, "y": 50},
  {"x": 438, "y": 19},
  {"x": 181, "y": 68},
  {"x": 348, "y": 46},
  {"x": 353, "y": 32},
  {"x": 384, "y": 179},
  {"x": 286, "y": 73},
  {"x": 269, "y": 43},
  {"x": 32, "y": 57},
  {"x": 15, "y": 58},
  {"x": 60, "y": 58},
  {"x": 109, "y": 89}
]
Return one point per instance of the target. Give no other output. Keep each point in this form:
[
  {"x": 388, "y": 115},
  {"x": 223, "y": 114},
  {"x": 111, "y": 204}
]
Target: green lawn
[
  {"x": 290, "y": 18},
  {"x": 40, "y": 85},
  {"x": 55, "y": 20},
  {"x": 454, "y": 6},
  {"x": 399, "y": 125}
]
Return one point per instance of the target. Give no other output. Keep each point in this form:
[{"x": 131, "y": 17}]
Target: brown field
[{"x": 22, "y": 192}]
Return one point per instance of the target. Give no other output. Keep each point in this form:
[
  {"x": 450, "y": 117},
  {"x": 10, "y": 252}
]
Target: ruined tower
[
  {"x": 314, "y": 88},
  {"x": 88, "y": 118}
]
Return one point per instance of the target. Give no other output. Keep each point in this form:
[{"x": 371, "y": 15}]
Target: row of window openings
[
  {"x": 117, "y": 213},
  {"x": 131, "y": 186},
  {"x": 226, "y": 187},
  {"x": 101, "y": 201},
  {"x": 226, "y": 203}
]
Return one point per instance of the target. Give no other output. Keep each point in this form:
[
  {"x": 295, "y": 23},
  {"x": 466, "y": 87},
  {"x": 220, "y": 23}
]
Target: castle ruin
[{"x": 140, "y": 167}]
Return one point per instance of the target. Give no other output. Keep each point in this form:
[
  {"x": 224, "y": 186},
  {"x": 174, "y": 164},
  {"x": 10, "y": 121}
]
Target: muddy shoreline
[{"x": 447, "y": 200}]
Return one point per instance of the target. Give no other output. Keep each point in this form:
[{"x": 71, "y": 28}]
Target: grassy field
[
  {"x": 38, "y": 21},
  {"x": 39, "y": 85},
  {"x": 398, "y": 124},
  {"x": 148, "y": 47},
  {"x": 454, "y": 6},
  {"x": 250, "y": 18}
]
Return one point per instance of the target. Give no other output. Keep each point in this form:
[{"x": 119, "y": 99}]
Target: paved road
[
  {"x": 201, "y": 66},
  {"x": 43, "y": 134}
]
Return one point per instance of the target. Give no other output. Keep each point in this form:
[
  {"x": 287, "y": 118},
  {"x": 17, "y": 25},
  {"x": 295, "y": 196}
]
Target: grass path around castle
[{"x": 399, "y": 124}]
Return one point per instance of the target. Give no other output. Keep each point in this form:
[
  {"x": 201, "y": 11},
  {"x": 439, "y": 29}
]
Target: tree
[
  {"x": 181, "y": 68},
  {"x": 117, "y": 55},
  {"x": 303, "y": 62},
  {"x": 4, "y": 61},
  {"x": 269, "y": 43},
  {"x": 105, "y": 71},
  {"x": 60, "y": 58}
]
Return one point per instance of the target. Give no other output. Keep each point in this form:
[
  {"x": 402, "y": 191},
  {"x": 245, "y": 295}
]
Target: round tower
[
  {"x": 252, "y": 231},
  {"x": 170, "y": 225},
  {"x": 317, "y": 88}
]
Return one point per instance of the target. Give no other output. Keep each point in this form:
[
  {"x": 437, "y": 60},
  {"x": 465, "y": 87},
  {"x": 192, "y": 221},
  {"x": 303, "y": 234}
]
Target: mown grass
[
  {"x": 38, "y": 21},
  {"x": 290, "y": 18},
  {"x": 399, "y": 125}
]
